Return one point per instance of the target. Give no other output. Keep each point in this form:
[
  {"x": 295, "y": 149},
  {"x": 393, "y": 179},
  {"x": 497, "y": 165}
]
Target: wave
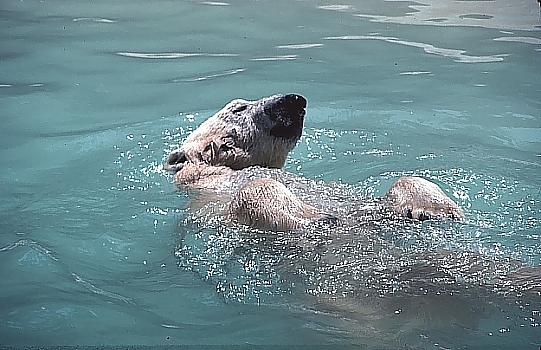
[
  {"x": 210, "y": 76},
  {"x": 299, "y": 46},
  {"x": 458, "y": 55},
  {"x": 172, "y": 55},
  {"x": 94, "y": 19},
  {"x": 276, "y": 58}
]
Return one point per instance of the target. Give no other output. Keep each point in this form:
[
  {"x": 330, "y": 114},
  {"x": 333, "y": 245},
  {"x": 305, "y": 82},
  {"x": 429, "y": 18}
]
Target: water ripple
[
  {"x": 339, "y": 8},
  {"x": 210, "y": 76},
  {"x": 415, "y": 73},
  {"x": 100, "y": 291},
  {"x": 32, "y": 244},
  {"x": 215, "y": 3},
  {"x": 276, "y": 58},
  {"x": 520, "y": 39},
  {"x": 93, "y": 19},
  {"x": 523, "y": 15},
  {"x": 299, "y": 46},
  {"x": 458, "y": 55},
  {"x": 48, "y": 253},
  {"x": 172, "y": 55}
]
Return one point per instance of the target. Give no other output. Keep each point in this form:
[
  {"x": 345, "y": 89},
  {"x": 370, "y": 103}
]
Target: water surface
[{"x": 95, "y": 245}]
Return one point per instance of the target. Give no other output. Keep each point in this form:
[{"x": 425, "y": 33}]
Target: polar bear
[{"x": 239, "y": 152}]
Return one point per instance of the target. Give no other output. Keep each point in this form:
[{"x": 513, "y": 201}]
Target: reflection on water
[{"x": 481, "y": 13}]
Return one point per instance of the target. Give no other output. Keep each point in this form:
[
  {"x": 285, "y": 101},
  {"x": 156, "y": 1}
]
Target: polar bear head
[{"x": 245, "y": 133}]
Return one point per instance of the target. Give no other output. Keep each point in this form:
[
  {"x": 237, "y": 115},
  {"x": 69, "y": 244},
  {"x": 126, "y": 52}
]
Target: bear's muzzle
[{"x": 287, "y": 112}]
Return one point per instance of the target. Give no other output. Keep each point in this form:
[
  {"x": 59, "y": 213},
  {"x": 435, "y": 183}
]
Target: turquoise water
[{"x": 96, "y": 248}]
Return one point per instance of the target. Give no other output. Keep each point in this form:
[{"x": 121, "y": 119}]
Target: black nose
[
  {"x": 290, "y": 105},
  {"x": 296, "y": 100},
  {"x": 287, "y": 112}
]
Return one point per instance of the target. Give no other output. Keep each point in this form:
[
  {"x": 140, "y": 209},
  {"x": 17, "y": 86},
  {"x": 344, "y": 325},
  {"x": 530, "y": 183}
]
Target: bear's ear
[{"x": 176, "y": 160}]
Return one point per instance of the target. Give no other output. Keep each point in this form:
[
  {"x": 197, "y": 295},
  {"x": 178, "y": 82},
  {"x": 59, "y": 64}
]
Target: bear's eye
[{"x": 240, "y": 108}]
